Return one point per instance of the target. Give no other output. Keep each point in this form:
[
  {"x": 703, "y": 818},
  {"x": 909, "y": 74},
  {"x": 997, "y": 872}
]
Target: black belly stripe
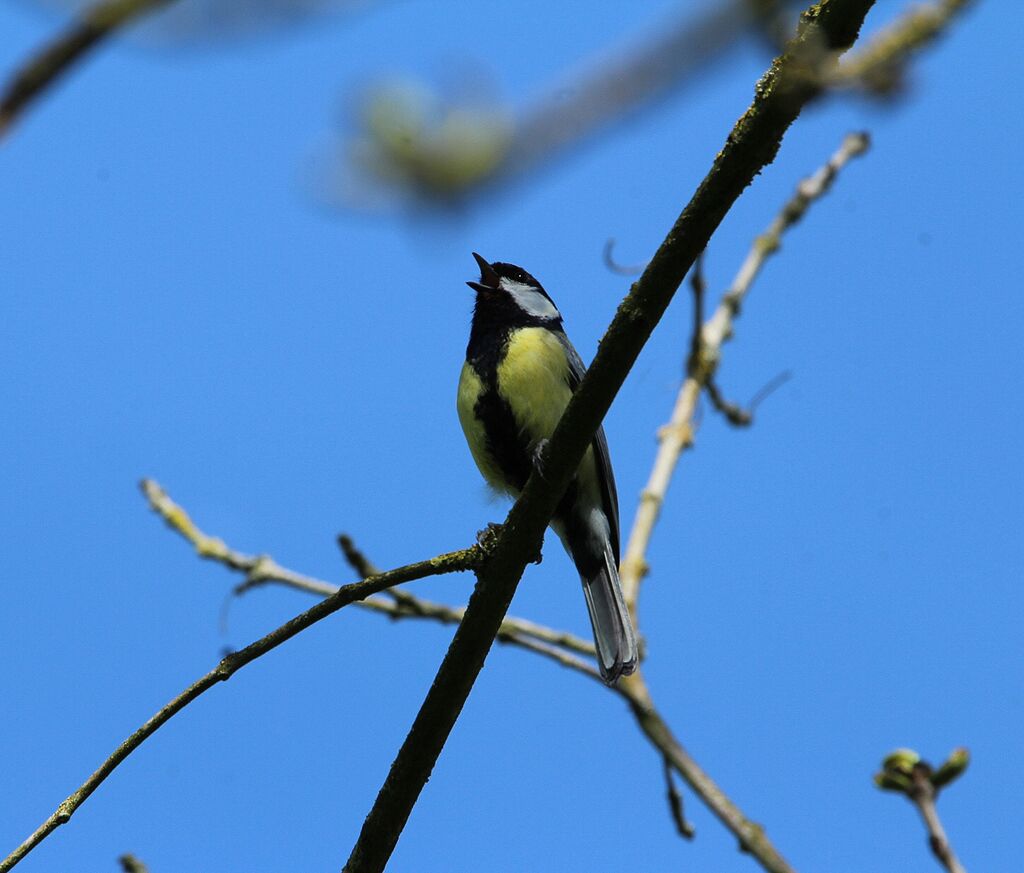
[
  {"x": 512, "y": 453},
  {"x": 508, "y": 449}
]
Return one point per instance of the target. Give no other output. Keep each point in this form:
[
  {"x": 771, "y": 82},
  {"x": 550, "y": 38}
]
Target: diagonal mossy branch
[{"x": 793, "y": 80}]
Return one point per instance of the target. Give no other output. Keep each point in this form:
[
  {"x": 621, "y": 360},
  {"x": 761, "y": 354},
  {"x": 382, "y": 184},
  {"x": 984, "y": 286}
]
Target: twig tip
[{"x": 857, "y": 143}]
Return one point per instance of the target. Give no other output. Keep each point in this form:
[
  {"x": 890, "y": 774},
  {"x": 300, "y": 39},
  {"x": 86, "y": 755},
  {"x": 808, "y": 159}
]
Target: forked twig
[{"x": 706, "y": 343}]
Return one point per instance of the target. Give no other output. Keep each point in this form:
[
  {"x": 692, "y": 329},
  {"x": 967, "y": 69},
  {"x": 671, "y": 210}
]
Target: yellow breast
[
  {"x": 533, "y": 379},
  {"x": 470, "y": 388}
]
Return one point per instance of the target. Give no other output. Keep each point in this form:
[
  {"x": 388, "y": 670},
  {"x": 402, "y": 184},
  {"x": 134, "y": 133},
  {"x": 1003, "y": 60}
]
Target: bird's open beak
[{"x": 489, "y": 279}]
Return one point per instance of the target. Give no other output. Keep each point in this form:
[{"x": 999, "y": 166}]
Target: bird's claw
[
  {"x": 485, "y": 538},
  {"x": 488, "y": 536}
]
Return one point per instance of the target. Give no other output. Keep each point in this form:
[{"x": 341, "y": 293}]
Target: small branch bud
[{"x": 952, "y": 768}]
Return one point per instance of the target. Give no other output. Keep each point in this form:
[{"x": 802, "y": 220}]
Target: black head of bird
[{"x": 507, "y": 296}]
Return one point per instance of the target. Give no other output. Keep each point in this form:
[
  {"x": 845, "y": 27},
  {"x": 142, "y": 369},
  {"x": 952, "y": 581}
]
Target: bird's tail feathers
[{"x": 614, "y": 636}]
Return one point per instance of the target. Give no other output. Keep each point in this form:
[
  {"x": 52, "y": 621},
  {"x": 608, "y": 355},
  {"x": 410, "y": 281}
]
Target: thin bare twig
[
  {"x": 131, "y": 864},
  {"x": 555, "y": 653},
  {"x": 733, "y": 413},
  {"x": 465, "y": 559},
  {"x": 707, "y": 339},
  {"x": 923, "y": 798},
  {"x": 520, "y": 632},
  {"x": 553, "y": 645},
  {"x": 608, "y": 256},
  {"x": 743, "y": 416},
  {"x": 766, "y": 390},
  {"x": 752, "y": 837},
  {"x": 356, "y": 559},
  {"x": 698, "y": 286},
  {"x": 904, "y": 772},
  {"x": 706, "y": 343},
  {"x": 557, "y": 645},
  {"x": 675, "y": 802},
  {"x": 257, "y": 569},
  {"x": 262, "y": 570}
]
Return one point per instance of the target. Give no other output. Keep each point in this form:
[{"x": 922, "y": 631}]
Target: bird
[{"x": 519, "y": 374}]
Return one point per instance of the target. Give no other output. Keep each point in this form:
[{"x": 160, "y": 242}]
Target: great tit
[{"x": 519, "y": 374}]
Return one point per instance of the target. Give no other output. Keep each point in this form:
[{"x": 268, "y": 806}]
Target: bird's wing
[{"x": 606, "y": 479}]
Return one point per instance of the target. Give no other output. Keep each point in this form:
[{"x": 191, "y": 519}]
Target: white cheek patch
[{"x": 530, "y": 300}]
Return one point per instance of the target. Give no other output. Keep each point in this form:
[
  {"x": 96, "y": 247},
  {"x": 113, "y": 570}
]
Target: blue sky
[{"x": 841, "y": 579}]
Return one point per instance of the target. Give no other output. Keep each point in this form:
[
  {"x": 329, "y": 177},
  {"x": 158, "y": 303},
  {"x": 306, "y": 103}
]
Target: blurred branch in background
[
  {"x": 903, "y": 771},
  {"x": 412, "y": 142},
  {"x": 705, "y": 356},
  {"x": 415, "y": 145},
  {"x": 131, "y": 864},
  {"x": 93, "y": 26},
  {"x": 676, "y": 52},
  {"x": 178, "y": 21},
  {"x": 412, "y": 139},
  {"x": 880, "y": 67}
]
